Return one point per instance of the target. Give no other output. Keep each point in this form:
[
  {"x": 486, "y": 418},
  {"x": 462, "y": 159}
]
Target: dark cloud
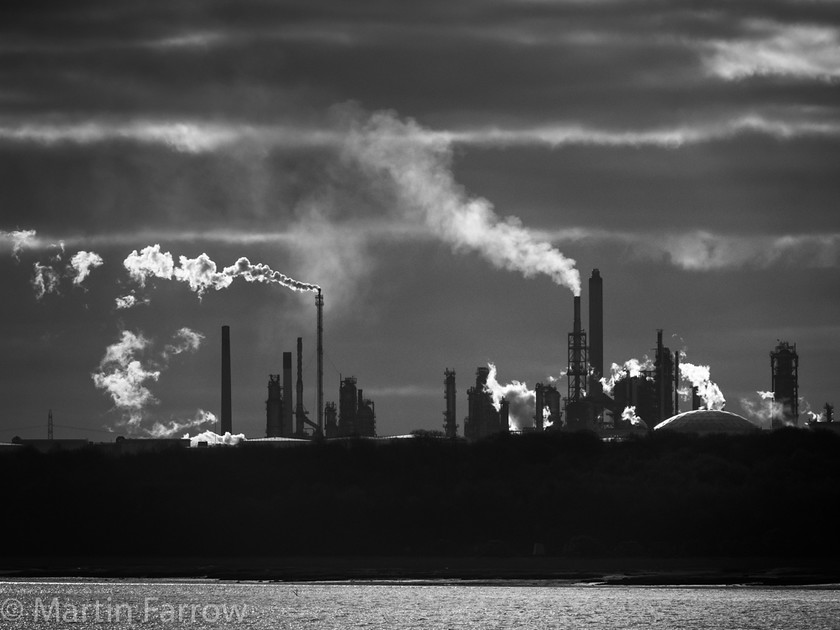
[{"x": 673, "y": 136}]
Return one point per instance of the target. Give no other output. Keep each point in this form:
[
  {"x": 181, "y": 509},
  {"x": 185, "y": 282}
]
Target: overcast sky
[{"x": 445, "y": 171}]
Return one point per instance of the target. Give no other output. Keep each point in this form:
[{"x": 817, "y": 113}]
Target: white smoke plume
[
  {"x": 201, "y": 273},
  {"x": 763, "y": 411},
  {"x": 45, "y": 279},
  {"x": 629, "y": 415},
  {"x": 630, "y": 368},
  {"x": 128, "y": 301},
  {"x": 126, "y": 370},
  {"x": 123, "y": 377},
  {"x": 699, "y": 377},
  {"x": 150, "y": 262},
  {"x": 83, "y": 262},
  {"x": 171, "y": 428},
  {"x": 522, "y": 400},
  {"x": 419, "y": 169},
  {"x": 214, "y": 439},
  {"x": 19, "y": 239},
  {"x": 184, "y": 340}
]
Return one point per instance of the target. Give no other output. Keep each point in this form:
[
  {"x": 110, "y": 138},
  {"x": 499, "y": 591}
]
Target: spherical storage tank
[{"x": 706, "y": 421}]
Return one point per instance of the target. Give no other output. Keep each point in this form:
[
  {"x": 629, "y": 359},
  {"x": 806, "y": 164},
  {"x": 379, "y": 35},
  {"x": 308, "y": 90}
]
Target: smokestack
[
  {"x": 696, "y": 401},
  {"x": 226, "y": 423},
  {"x": 596, "y": 330},
  {"x": 676, "y": 382},
  {"x": 577, "y": 315},
  {"x": 299, "y": 413},
  {"x": 288, "y": 428},
  {"x": 449, "y": 425},
  {"x": 319, "y": 306}
]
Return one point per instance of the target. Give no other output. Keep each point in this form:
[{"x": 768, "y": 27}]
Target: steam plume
[
  {"x": 419, "y": 169},
  {"x": 171, "y": 428},
  {"x": 629, "y": 415},
  {"x": 19, "y": 240},
  {"x": 83, "y": 262},
  {"x": 631, "y": 368},
  {"x": 201, "y": 273},
  {"x": 214, "y": 439},
  {"x": 699, "y": 377},
  {"x": 764, "y": 410},
  {"x": 523, "y": 401},
  {"x": 126, "y": 370}
]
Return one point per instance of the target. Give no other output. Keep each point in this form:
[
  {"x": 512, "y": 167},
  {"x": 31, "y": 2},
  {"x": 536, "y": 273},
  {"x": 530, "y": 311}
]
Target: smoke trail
[
  {"x": 699, "y": 377},
  {"x": 201, "y": 273},
  {"x": 419, "y": 169},
  {"x": 169, "y": 429},
  {"x": 523, "y": 401},
  {"x": 125, "y": 372}
]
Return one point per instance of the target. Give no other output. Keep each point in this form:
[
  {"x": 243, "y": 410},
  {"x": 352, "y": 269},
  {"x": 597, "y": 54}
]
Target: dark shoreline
[{"x": 437, "y": 570}]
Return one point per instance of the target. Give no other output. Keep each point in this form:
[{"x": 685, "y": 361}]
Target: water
[{"x": 88, "y": 604}]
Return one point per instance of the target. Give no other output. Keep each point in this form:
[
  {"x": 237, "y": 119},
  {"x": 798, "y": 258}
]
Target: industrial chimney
[
  {"x": 596, "y": 331},
  {"x": 226, "y": 423},
  {"x": 288, "y": 429}
]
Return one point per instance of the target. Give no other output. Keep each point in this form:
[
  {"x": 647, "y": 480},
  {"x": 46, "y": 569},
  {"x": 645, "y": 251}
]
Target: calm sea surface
[{"x": 100, "y": 604}]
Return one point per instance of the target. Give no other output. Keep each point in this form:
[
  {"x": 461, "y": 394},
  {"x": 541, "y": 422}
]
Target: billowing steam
[
  {"x": 201, "y": 273},
  {"x": 126, "y": 370},
  {"x": 631, "y": 368},
  {"x": 629, "y": 415},
  {"x": 214, "y": 439},
  {"x": 82, "y": 263},
  {"x": 699, "y": 377},
  {"x": 123, "y": 377},
  {"x": 419, "y": 170},
  {"x": 522, "y": 400},
  {"x": 45, "y": 279},
  {"x": 763, "y": 411}
]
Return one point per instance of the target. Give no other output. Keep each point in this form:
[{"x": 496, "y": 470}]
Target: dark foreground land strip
[{"x": 612, "y": 571}]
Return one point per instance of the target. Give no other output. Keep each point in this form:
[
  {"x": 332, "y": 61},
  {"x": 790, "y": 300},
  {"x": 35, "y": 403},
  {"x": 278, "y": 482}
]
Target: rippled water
[{"x": 91, "y": 604}]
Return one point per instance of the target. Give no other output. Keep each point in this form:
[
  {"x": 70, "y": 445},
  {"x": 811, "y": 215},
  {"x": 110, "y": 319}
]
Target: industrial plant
[{"x": 629, "y": 402}]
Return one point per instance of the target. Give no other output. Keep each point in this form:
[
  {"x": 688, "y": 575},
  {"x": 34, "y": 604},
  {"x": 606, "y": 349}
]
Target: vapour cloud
[
  {"x": 762, "y": 410},
  {"x": 173, "y": 427},
  {"x": 19, "y": 239},
  {"x": 699, "y": 377},
  {"x": 419, "y": 173},
  {"x": 522, "y": 400},
  {"x": 631, "y": 368},
  {"x": 802, "y": 51},
  {"x": 83, "y": 262},
  {"x": 629, "y": 415},
  {"x": 128, "y": 368},
  {"x": 214, "y": 439}
]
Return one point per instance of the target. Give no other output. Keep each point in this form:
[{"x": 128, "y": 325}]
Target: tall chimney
[
  {"x": 226, "y": 424},
  {"x": 596, "y": 330},
  {"x": 577, "y": 315},
  {"x": 676, "y": 382},
  {"x": 299, "y": 412},
  {"x": 288, "y": 428}
]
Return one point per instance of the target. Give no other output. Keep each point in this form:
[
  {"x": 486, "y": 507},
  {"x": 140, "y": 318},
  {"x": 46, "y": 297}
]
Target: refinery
[{"x": 613, "y": 404}]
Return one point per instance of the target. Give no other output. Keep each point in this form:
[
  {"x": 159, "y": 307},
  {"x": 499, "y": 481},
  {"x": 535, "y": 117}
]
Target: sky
[{"x": 449, "y": 173}]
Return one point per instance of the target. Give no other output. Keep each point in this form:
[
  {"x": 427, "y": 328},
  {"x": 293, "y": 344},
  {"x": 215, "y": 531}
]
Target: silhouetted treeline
[{"x": 663, "y": 495}]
